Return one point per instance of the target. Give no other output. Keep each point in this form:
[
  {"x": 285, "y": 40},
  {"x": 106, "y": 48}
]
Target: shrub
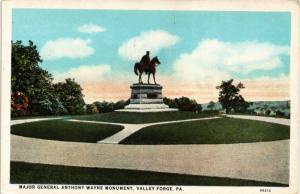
[
  {"x": 279, "y": 113},
  {"x": 43, "y": 107},
  {"x": 104, "y": 106},
  {"x": 183, "y": 104},
  {"x": 120, "y": 104},
  {"x": 91, "y": 109}
]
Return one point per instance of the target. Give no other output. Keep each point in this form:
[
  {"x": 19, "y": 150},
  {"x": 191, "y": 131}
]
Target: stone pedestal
[{"x": 146, "y": 98}]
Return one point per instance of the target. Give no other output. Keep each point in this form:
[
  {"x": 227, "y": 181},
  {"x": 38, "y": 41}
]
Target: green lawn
[
  {"x": 217, "y": 131},
  {"x": 65, "y": 130},
  {"x": 25, "y": 173},
  {"x": 148, "y": 117},
  {"x": 40, "y": 116}
]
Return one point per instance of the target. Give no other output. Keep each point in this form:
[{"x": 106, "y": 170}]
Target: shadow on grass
[{"x": 24, "y": 173}]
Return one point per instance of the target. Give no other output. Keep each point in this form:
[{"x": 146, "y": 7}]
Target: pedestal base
[
  {"x": 146, "y": 98},
  {"x": 147, "y": 108}
]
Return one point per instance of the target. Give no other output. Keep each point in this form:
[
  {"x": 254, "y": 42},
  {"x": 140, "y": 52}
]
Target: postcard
[{"x": 150, "y": 96}]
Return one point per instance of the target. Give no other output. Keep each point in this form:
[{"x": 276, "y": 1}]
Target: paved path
[
  {"x": 264, "y": 161},
  {"x": 20, "y": 121},
  {"x": 132, "y": 128},
  {"x": 260, "y": 118}
]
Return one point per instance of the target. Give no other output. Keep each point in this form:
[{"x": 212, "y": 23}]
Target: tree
[
  {"x": 104, "y": 106},
  {"x": 70, "y": 95},
  {"x": 91, "y": 109},
  {"x": 170, "y": 102},
  {"x": 229, "y": 97},
  {"x": 186, "y": 104},
  {"x": 30, "y": 79},
  {"x": 58, "y": 108},
  {"x": 183, "y": 104},
  {"x": 279, "y": 113},
  {"x": 121, "y": 104}
]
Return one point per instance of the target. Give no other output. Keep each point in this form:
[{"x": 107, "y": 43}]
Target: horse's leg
[
  {"x": 141, "y": 73},
  {"x": 140, "y": 78},
  {"x": 148, "y": 77},
  {"x": 154, "y": 78}
]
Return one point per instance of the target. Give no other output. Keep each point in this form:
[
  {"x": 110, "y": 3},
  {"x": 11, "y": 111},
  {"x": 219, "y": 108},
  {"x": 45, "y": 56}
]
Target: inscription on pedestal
[{"x": 146, "y": 94}]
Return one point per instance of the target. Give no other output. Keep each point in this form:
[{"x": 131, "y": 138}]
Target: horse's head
[{"x": 155, "y": 59}]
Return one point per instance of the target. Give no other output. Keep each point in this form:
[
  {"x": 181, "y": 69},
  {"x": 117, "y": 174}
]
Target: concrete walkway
[
  {"x": 132, "y": 128},
  {"x": 263, "y": 161},
  {"x": 281, "y": 121}
]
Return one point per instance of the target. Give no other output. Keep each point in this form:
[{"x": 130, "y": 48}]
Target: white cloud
[
  {"x": 214, "y": 59},
  {"x": 66, "y": 47},
  {"x": 85, "y": 73},
  {"x": 152, "y": 41},
  {"x": 91, "y": 28}
]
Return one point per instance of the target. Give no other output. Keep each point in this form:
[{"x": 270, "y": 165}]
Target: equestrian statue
[{"x": 146, "y": 66}]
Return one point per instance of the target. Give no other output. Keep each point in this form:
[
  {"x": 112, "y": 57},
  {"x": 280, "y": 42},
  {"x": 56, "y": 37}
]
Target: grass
[
  {"x": 217, "y": 131},
  {"x": 65, "y": 131},
  {"x": 138, "y": 118},
  {"x": 22, "y": 173},
  {"x": 40, "y": 116}
]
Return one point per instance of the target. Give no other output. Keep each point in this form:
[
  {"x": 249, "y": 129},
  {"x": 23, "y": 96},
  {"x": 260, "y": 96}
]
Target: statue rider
[{"x": 145, "y": 61}]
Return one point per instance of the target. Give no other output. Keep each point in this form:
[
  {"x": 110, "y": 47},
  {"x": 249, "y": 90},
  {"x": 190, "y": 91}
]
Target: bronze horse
[{"x": 140, "y": 68}]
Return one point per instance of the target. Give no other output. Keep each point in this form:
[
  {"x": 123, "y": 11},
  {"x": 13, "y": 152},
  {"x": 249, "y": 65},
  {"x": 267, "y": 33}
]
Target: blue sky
[{"x": 185, "y": 35}]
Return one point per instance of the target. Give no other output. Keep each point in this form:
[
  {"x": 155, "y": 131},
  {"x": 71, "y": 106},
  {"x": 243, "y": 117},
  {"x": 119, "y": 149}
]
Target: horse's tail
[{"x": 136, "y": 68}]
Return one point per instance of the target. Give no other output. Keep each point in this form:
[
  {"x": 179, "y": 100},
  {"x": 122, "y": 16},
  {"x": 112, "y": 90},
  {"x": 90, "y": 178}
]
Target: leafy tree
[
  {"x": 183, "y": 104},
  {"x": 70, "y": 95},
  {"x": 111, "y": 106},
  {"x": 32, "y": 90},
  {"x": 186, "y": 104},
  {"x": 104, "y": 106},
  {"x": 170, "y": 102},
  {"x": 279, "y": 113},
  {"x": 58, "y": 107},
  {"x": 121, "y": 104},
  {"x": 43, "y": 107},
  {"x": 30, "y": 79},
  {"x": 91, "y": 109},
  {"x": 230, "y": 98}
]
